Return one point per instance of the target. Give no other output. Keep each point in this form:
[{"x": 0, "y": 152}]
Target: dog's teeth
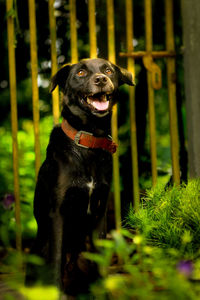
[
  {"x": 104, "y": 98},
  {"x": 88, "y": 100}
]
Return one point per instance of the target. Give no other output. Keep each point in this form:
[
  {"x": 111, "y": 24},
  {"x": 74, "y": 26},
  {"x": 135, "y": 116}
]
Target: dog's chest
[{"x": 89, "y": 173}]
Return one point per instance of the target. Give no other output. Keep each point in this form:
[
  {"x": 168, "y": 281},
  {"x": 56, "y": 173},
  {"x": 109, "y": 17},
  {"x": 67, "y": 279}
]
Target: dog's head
[{"x": 91, "y": 85}]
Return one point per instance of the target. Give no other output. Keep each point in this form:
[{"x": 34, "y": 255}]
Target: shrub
[{"x": 169, "y": 218}]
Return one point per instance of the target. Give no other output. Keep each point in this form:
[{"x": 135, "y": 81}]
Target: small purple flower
[
  {"x": 185, "y": 267},
  {"x": 8, "y": 201}
]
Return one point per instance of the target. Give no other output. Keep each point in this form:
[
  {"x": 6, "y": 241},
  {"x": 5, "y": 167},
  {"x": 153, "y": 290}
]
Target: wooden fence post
[
  {"x": 14, "y": 121},
  {"x": 191, "y": 33}
]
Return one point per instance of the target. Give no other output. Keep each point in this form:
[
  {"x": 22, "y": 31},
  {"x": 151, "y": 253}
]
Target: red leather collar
[{"x": 87, "y": 140}]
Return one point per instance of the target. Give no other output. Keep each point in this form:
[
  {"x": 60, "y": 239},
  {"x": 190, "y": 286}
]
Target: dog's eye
[
  {"x": 108, "y": 71},
  {"x": 82, "y": 73}
]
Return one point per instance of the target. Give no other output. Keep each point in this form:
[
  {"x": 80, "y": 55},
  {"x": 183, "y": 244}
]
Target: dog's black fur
[{"x": 73, "y": 182}]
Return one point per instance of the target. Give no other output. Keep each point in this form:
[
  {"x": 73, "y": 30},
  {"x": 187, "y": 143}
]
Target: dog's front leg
[
  {"x": 56, "y": 247},
  {"x": 74, "y": 213},
  {"x": 98, "y": 207}
]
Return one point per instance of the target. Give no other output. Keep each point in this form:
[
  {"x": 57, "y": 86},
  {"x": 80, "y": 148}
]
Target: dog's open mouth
[{"x": 99, "y": 102}]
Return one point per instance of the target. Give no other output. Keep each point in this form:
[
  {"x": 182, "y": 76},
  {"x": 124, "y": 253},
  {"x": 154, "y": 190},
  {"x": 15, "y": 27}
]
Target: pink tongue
[{"x": 100, "y": 105}]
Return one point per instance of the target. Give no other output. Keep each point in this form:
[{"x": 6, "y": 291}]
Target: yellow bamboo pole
[
  {"x": 152, "y": 122},
  {"x": 131, "y": 68},
  {"x": 55, "y": 94},
  {"x": 34, "y": 74},
  {"x": 92, "y": 29},
  {"x": 172, "y": 92},
  {"x": 111, "y": 57},
  {"x": 73, "y": 31},
  {"x": 14, "y": 121}
]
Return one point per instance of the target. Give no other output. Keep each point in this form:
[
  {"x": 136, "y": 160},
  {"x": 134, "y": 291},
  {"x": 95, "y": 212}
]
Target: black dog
[{"x": 74, "y": 180}]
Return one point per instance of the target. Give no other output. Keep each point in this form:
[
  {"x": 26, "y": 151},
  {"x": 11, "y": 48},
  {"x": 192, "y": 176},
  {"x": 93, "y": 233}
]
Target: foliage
[
  {"x": 26, "y": 175},
  {"x": 40, "y": 293},
  {"x": 169, "y": 217},
  {"x": 140, "y": 271},
  {"x": 13, "y": 267},
  {"x": 158, "y": 257}
]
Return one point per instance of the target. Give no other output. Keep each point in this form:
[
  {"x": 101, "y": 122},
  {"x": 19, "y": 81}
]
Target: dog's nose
[{"x": 100, "y": 80}]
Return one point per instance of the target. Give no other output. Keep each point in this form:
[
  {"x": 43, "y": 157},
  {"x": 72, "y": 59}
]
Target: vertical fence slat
[
  {"x": 111, "y": 30},
  {"x": 73, "y": 31},
  {"x": 34, "y": 74},
  {"x": 92, "y": 28},
  {"x": 131, "y": 68},
  {"x": 55, "y": 93},
  {"x": 172, "y": 92},
  {"x": 14, "y": 121},
  {"x": 111, "y": 57},
  {"x": 152, "y": 122}
]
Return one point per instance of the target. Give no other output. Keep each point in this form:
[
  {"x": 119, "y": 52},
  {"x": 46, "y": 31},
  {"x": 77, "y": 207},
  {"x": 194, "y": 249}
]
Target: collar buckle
[{"x": 78, "y": 136}]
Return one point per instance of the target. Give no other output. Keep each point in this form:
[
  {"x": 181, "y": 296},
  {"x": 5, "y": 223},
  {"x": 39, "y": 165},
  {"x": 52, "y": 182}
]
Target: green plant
[
  {"x": 158, "y": 258},
  {"x": 131, "y": 269},
  {"x": 169, "y": 218},
  {"x": 26, "y": 177}
]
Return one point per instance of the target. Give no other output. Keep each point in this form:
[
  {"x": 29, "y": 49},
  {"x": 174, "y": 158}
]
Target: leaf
[
  {"x": 104, "y": 243},
  {"x": 11, "y": 13},
  {"x": 40, "y": 293},
  {"x": 95, "y": 257}
]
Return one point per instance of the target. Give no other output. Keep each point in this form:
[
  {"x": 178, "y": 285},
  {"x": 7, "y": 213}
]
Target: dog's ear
[
  {"x": 125, "y": 76},
  {"x": 60, "y": 77}
]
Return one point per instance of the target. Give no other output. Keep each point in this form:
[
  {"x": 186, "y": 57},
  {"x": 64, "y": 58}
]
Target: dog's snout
[{"x": 100, "y": 80}]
